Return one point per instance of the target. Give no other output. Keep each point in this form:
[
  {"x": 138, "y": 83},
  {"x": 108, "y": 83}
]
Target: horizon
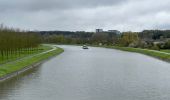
[{"x": 104, "y": 30}]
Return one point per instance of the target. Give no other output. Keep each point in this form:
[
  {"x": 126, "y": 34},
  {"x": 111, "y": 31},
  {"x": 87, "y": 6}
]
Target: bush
[
  {"x": 167, "y": 45},
  {"x": 155, "y": 47}
]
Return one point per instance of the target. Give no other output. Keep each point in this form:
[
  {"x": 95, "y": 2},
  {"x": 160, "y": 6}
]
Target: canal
[{"x": 94, "y": 74}]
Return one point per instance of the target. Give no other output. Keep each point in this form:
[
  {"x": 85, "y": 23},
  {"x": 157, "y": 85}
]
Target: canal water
[{"x": 94, "y": 74}]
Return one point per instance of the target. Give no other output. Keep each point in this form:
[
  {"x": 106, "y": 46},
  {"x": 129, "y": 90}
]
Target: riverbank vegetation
[
  {"x": 24, "y": 53},
  {"x": 8, "y": 68},
  {"x": 15, "y": 43},
  {"x": 20, "y": 49},
  {"x": 163, "y": 55}
]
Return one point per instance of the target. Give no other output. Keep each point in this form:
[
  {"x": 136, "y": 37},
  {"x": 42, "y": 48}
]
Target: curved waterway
[{"x": 94, "y": 74}]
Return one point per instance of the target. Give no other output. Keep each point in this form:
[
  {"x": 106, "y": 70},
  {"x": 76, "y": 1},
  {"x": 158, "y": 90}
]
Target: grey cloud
[
  {"x": 86, "y": 15},
  {"x": 36, "y": 5}
]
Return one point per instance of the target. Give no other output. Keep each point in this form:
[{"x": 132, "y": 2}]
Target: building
[
  {"x": 99, "y": 30},
  {"x": 114, "y": 31},
  {"x": 109, "y": 31}
]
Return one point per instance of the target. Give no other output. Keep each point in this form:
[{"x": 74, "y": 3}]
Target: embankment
[
  {"x": 153, "y": 53},
  {"x": 13, "y": 69}
]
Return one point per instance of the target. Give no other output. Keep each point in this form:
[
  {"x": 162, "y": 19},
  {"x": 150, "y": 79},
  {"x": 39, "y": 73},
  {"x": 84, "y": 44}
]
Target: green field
[{"x": 20, "y": 64}]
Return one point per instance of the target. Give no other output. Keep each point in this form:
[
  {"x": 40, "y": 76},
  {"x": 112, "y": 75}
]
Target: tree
[
  {"x": 100, "y": 38},
  {"x": 14, "y": 41},
  {"x": 127, "y": 38},
  {"x": 167, "y": 45}
]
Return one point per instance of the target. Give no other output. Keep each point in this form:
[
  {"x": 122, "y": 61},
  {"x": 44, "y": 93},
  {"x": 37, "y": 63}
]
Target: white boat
[{"x": 85, "y": 47}]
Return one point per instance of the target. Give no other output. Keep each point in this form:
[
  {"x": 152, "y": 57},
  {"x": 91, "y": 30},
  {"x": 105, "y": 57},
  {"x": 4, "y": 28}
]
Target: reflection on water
[
  {"x": 94, "y": 74},
  {"x": 11, "y": 86}
]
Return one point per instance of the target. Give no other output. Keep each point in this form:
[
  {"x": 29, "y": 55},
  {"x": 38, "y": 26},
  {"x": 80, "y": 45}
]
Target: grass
[
  {"x": 24, "y": 53},
  {"x": 18, "y": 65},
  {"x": 167, "y": 51},
  {"x": 153, "y": 53}
]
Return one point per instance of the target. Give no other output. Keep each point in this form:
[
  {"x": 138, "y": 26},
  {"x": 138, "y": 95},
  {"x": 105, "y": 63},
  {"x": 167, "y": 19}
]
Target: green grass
[
  {"x": 18, "y": 65},
  {"x": 148, "y": 52},
  {"x": 167, "y": 51},
  {"x": 24, "y": 53}
]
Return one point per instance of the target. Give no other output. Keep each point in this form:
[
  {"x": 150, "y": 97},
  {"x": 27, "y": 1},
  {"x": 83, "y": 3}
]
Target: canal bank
[
  {"x": 153, "y": 53},
  {"x": 15, "y": 68}
]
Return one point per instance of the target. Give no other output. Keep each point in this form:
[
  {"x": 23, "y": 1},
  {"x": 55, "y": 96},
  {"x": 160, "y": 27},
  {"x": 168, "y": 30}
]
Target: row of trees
[
  {"x": 66, "y": 37},
  {"x": 107, "y": 38},
  {"x": 154, "y": 41},
  {"x": 144, "y": 39},
  {"x": 154, "y": 34},
  {"x": 12, "y": 42}
]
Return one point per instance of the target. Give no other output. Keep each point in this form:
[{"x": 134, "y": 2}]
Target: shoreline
[
  {"x": 152, "y": 53},
  {"x": 25, "y": 68},
  {"x": 163, "y": 56}
]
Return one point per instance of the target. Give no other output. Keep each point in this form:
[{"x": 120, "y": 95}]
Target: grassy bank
[
  {"x": 163, "y": 54},
  {"x": 23, "y": 53},
  {"x": 167, "y": 51},
  {"x": 8, "y": 68}
]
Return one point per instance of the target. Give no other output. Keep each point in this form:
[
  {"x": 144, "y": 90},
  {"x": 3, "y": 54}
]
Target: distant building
[
  {"x": 109, "y": 31},
  {"x": 114, "y": 31},
  {"x": 99, "y": 30}
]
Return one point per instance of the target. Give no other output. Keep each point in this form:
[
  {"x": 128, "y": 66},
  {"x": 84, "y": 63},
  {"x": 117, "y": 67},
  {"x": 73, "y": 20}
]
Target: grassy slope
[
  {"x": 159, "y": 55},
  {"x": 10, "y": 68},
  {"x": 24, "y": 53},
  {"x": 168, "y": 51}
]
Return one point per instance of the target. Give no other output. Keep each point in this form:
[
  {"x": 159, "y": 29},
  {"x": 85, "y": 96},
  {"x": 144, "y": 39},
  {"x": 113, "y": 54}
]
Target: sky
[{"x": 85, "y": 15}]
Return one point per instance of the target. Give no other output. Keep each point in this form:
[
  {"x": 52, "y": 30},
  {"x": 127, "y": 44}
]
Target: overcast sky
[{"x": 87, "y": 15}]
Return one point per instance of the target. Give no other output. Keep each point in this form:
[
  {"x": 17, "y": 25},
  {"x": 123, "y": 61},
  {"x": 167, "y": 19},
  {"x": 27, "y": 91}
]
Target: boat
[{"x": 85, "y": 47}]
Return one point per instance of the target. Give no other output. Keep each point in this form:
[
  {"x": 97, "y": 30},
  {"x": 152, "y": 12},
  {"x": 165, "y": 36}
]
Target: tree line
[
  {"x": 152, "y": 39},
  {"x": 14, "y": 41}
]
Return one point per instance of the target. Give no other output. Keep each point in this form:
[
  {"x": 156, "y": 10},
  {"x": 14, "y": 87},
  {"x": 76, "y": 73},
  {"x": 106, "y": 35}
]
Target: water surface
[{"x": 94, "y": 74}]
